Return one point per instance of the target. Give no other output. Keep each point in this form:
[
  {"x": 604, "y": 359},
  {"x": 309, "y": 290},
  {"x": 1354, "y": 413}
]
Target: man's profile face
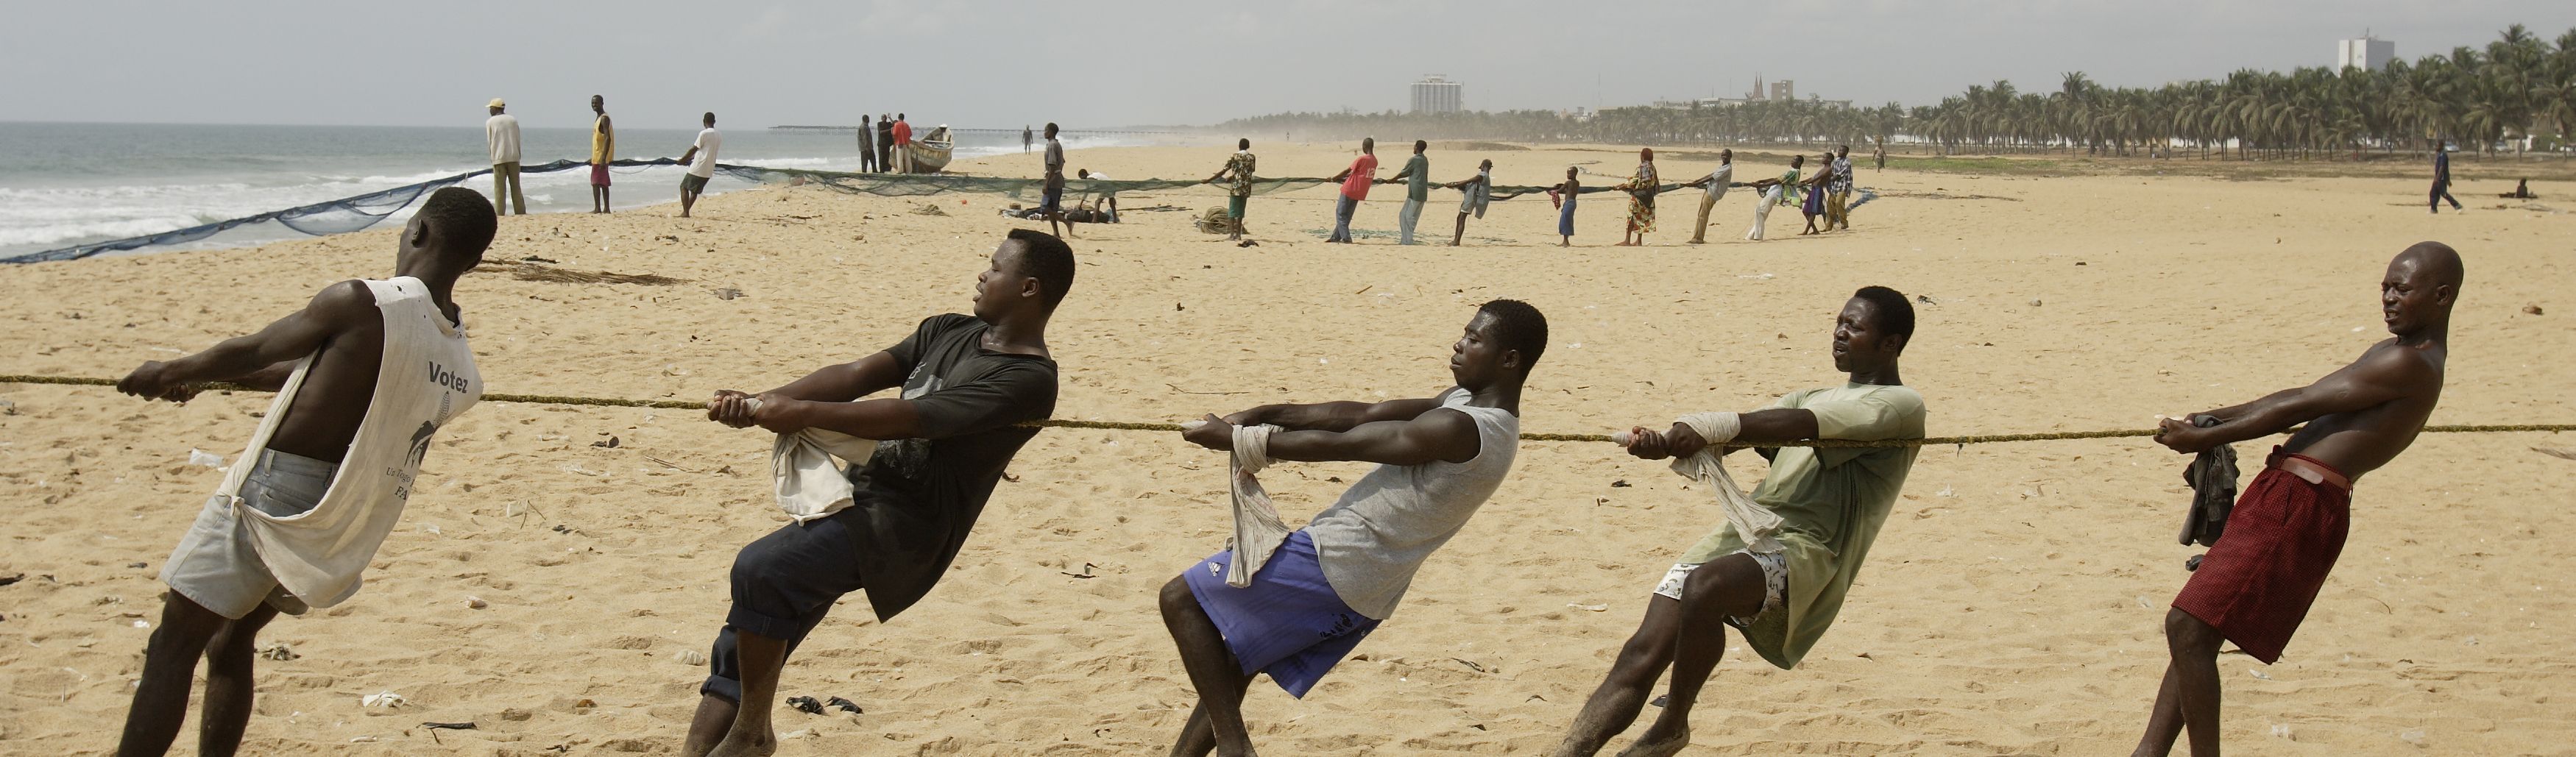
[
  {"x": 1858, "y": 344},
  {"x": 2408, "y": 295},
  {"x": 1476, "y": 359},
  {"x": 597, "y": 105},
  {"x": 1000, "y": 279}
]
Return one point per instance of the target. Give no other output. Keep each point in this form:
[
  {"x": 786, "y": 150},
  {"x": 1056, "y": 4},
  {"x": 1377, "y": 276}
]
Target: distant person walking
[
  {"x": 2442, "y": 179},
  {"x": 1563, "y": 196},
  {"x": 603, "y": 151},
  {"x": 1355, "y": 187},
  {"x": 1479, "y": 190},
  {"x": 1881, "y": 152},
  {"x": 867, "y": 144},
  {"x": 695, "y": 182},
  {"x": 1838, "y": 192},
  {"x": 1052, "y": 202},
  {"x": 501, "y": 136},
  {"x": 1713, "y": 186},
  {"x": 1237, "y": 174},
  {"x": 1025, "y": 141},
  {"x": 902, "y": 144},
  {"x": 885, "y": 142},
  {"x": 1417, "y": 192},
  {"x": 1641, "y": 200}
]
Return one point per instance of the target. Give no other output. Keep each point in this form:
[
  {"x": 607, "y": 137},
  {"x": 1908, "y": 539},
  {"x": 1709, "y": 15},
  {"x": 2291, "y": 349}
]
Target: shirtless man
[
  {"x": 366, "y": 373},
  {"x": 963, "y": 383},
  {"x": 1328, "y": 585},
  {"x": 2256, "y": 584}
]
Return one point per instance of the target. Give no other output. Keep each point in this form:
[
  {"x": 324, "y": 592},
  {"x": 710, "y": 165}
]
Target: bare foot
[
  {"x": 1651, "y": 746},
  {"x": 740, "y": 744}
]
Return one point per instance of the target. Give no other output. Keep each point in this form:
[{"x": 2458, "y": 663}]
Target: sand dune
[{"x": 2013, "y": 605}]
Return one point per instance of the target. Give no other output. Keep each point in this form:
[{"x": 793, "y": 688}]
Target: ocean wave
[{"x": 116, "y": 229}]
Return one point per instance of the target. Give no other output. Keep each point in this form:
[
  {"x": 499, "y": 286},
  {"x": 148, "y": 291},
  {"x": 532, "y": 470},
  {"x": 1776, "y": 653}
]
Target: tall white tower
[
  {"x": 1437, "y": 94},
  {"x": 2367, "y": 53}
]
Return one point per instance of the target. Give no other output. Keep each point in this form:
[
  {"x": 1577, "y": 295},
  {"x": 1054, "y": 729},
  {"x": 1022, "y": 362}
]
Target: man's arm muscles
[
  {"x": 881, "y": 419},
  {"x": 290, "y": 338},
  {"x": 846, "y": 381},
  {"x": 1432, "y": 436},
  {"x": 2376, "y": 380},
  {"x": 1333, "y": 416}
]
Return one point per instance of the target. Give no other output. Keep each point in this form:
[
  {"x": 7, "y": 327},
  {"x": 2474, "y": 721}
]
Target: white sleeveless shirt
[
  {"x": 426, "y": 380},
  {"x": 1371, "y": 542}
]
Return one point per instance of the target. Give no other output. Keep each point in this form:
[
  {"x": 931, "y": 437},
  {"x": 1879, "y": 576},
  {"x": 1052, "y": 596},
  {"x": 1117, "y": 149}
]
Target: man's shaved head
[
  {"x": 2438, "y": 260},
  {"x": 2422, "y": 284}
]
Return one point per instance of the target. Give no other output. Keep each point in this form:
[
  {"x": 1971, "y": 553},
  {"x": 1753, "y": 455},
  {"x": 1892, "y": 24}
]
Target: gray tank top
[{"x": 1371, "y": 542}]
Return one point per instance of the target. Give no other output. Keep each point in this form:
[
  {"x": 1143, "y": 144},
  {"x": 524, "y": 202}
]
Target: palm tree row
[{"x": 2518, "y": 87}]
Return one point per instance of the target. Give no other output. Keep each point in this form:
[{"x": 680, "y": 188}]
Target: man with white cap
[{"x": 501, "y": 134}]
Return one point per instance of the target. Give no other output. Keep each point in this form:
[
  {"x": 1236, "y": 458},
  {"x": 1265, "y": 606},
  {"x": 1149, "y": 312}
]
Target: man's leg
[
  {"x": 1213, "y": 670},
  {"x": 500, "y": 188},
  {"x": 1615, "y": 704},
  {"x": 1729, "y": 586},
  {"x": 169, "y": 669},
  {"x": 2191, "y": 692},
  {"x": 518, "y": 190},
  {"x": 783, "y": 585},
  {"x": 1699, "y": 231},
  {"x": 228, "y": 683},
  {"x": 687, "y": 199},
  {"x": 1461, "y": 234},
  {"x": 1407, "y": 220}
]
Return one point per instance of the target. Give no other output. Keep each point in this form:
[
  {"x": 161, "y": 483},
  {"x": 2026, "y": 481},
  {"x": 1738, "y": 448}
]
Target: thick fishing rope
[{"x": 552, "y": 399}]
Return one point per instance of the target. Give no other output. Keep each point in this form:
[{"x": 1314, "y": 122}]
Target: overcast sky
[{"x": 1002, "y": 64}]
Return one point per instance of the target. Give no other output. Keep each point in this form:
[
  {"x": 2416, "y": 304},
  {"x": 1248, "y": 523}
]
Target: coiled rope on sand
[{"x": 555, "y": 399}]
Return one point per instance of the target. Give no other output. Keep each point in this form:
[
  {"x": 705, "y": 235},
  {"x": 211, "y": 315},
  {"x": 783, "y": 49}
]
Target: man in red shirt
[
  {"x": 902, "y": 144},
  {"x": 1355, "y": 186}
]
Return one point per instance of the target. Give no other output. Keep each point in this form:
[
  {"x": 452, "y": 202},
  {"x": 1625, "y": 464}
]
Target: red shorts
[
  {"x": 599, "y": 174},
  {"x": 2255, "y": 586}
]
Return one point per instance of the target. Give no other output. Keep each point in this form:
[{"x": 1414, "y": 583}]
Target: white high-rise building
[
  {"x": 2367, "y": 53},
  {"x": 1437, "y": 94}
]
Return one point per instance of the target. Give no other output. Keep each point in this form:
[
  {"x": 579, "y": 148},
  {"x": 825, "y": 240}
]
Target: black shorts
[
  {"x": 693, "y": 183},
  {"x": 1051, "y": 201}
]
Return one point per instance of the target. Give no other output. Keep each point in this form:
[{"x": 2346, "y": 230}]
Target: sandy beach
[{"x": 2013, "y": 605}]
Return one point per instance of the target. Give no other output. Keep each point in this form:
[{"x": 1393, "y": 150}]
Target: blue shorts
[{"x": 1288, "y": 623}]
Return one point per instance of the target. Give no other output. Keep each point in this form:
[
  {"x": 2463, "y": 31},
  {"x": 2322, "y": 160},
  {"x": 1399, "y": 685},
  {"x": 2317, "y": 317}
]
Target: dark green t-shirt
[
  {"x": 1418, "y": 185},
  {"x": 917, "y": 498}
]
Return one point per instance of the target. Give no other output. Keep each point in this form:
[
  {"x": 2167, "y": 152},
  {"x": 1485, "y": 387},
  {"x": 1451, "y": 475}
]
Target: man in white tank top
[
  {"x": 1329, "y": 584},
  {"x": 366, "y": 374}
]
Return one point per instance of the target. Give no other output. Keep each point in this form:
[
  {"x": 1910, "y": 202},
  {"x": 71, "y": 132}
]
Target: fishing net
[{"x": 349, "y": 214}]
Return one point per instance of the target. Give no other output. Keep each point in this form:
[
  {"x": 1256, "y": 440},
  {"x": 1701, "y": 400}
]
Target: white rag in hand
[
  {"x": 811, "y": 484},
  {"x": 1258, "y": 530},
  {"x": 1755, "y": 523}
]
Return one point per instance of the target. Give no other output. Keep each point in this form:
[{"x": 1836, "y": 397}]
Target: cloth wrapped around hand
[
  {"x": 1757, "y": 524},
  {"x": 811, "y": 484},
  {"x": 1258, "y": 531}
]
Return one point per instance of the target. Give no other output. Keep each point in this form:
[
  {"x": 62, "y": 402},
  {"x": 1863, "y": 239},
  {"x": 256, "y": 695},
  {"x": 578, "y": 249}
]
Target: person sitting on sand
[
  {"x": 1813, "y": 519},
  {"x": 965, "y": 382},
  {"x": 2521, "y": 191},
  {"x": 1330, "y": 584},
  {"x": 1641, "y": 200},
  {"x": 2255, "y": 585},
  {"x": 366, "y": 375},
  {"x": 1479, "y": 191},
  {"x": 1564, "y": 195}
]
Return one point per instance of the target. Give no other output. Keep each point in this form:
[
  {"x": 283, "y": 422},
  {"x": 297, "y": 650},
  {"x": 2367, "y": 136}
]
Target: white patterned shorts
[{"x": 1775, "y": 581}]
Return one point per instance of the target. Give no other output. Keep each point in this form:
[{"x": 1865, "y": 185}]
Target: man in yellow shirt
[{"x": 603, "y": 150}]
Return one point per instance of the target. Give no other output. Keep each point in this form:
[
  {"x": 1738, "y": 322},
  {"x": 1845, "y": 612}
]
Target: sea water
[{"x": 65, "y": 184}]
